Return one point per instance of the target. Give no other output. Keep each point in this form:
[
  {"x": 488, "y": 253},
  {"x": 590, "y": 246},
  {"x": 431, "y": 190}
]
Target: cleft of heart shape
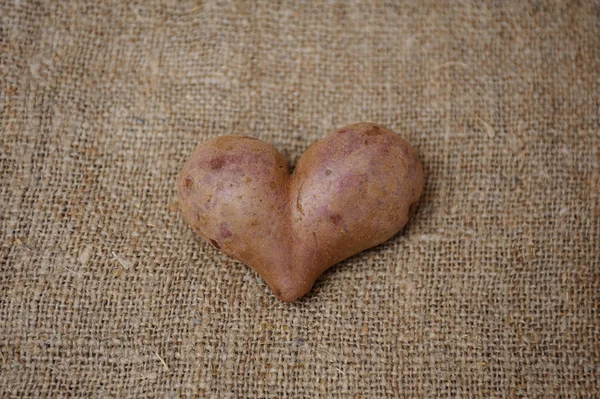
[{"x": 350, "y": 191}]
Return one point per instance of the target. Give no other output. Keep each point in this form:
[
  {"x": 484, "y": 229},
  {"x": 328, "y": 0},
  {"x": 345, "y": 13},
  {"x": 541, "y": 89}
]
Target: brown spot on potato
[
  {"x": 327, "y": 172},
  {"x": 248, "y": 179},
  {"x": 374, "y": 131},
  {"x": 273, "y": 185},
  {"x": 214, "y": 243},
  {"x": 336, "y": 218},
  {"x": 217, "y": 163},
  {"x": 299, "y": 205},
  {"x": 187, "y": 183}
]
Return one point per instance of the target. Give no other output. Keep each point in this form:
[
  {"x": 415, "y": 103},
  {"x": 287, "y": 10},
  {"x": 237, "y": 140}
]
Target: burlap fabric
[{"x": 492, "y": 290}]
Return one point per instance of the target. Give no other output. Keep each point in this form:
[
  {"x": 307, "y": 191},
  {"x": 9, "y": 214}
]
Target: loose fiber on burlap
[{"x": 492, "y": 290}]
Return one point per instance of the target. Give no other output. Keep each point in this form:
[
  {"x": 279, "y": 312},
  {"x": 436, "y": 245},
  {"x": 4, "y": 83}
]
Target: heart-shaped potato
[{"x": 351, "y": 191}]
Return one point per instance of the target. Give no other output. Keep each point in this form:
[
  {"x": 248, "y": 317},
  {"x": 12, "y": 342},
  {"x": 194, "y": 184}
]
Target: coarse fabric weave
[{"x": 492, "y": 290}]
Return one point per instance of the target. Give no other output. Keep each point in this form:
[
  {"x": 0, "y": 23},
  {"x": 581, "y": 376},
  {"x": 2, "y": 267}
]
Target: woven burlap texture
[{"x": 492, "y": 290}]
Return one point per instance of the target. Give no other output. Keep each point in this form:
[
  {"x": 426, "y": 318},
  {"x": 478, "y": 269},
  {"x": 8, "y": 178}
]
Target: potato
[{"x": 351, "y": 191}]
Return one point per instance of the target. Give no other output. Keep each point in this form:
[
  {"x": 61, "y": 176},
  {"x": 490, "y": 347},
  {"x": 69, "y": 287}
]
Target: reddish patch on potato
[
  {"x": 224, "y": 231},
  {"x": 217, "y": 163}
]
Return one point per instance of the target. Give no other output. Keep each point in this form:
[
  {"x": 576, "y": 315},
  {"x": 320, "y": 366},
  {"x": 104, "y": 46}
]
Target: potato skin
[{"x": 353, "y": 190}]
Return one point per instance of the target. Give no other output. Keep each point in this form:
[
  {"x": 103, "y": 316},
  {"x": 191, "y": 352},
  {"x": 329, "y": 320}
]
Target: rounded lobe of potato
[
  {"x": 353, "y": 190},
  {"x": 233, "y": 191}
]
